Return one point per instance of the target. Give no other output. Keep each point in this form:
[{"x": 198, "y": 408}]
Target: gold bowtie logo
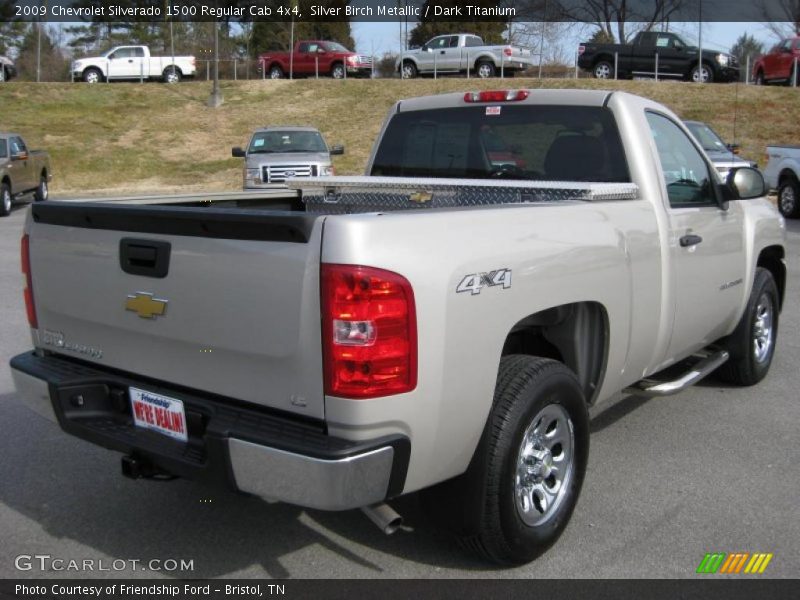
[
  {"x": 144, "y": 305},
  {"x": 420, "y": 197}
]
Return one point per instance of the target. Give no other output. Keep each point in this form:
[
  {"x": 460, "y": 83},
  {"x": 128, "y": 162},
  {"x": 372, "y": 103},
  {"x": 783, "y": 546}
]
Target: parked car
[
  {"x": 22, "y": 171},
  {"x": 724, "y": 156},
  {"x": 455, "y": 53},
  {"x": 779, "y": 64},
  {"x": 316, "y": 57},
  {"x": 676, "y": 59},
  {"x": 276, "y": 154},
  {"x": 442, "y": 324},
  {"x": 782, "y": 173},
  {"x": 7, "y": 69},
  {"x": 132, "y": 62}
]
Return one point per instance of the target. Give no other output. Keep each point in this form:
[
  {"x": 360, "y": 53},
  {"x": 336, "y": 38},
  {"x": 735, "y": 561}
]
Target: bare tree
[
  {"x": 782, "y": 17},
  {"x": 616, "y": 17}
]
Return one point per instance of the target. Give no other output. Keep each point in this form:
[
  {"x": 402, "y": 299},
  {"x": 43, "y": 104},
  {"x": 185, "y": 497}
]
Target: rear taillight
[
  {"x": 496, "y": 96},
  {"x": 581, "y": 49},
  {"x": 507, "y": 51},
  {"x": 369, "y": 332},
  {"x": 25, "y": 254}
]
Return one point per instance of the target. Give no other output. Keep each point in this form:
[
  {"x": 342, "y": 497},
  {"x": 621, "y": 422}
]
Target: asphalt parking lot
[{"x": 713, "y": 469}]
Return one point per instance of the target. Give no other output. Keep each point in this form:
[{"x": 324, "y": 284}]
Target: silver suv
[{"x": 276, "y": 154}]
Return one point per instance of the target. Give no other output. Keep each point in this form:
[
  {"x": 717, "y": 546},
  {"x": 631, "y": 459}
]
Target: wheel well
[
  {"x": 7, "y": 181},
  {"x": 574, "y": 334},
  {"x": 771, "y": 258},
  {"x": 175, "y": 68},
  {"x": 273, "y": 64},
  {"x": 601, "y": 58},
  {"x": 786, "y": 175}
]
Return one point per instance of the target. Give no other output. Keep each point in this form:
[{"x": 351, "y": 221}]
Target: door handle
[
  {"x": 130, "y": 60},
  {"x": 690, "y": 240},
  {"x": 441, "y": 51}
]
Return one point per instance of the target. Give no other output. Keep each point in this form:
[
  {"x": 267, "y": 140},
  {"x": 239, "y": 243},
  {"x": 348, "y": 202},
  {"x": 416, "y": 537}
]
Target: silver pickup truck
[
  {"x": 460, "y": 53},
  {"x": 782, "y": 173},
  {"x": 278, "y": 154},
  {"x": 442, "y": 324},
  {"x": 22, "y": 171}
]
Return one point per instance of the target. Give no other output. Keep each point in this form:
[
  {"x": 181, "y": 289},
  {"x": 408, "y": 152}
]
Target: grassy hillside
[{"x": 153, "y": 137}]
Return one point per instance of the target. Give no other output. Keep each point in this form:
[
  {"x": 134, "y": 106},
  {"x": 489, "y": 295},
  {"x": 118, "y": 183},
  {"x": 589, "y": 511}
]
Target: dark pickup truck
[{"x": 661, "y": 54}]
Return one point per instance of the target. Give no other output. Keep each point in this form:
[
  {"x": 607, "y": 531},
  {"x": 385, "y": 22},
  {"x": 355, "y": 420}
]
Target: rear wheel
[
  {"x": 523, "y": 482},
  {"x": 752, "y": 344},
  {"x": 5, "y": 200},
  {"x": 275, "y": 72},
  {"x": 485, "y": 70},
  {"x": 789, "y": 198},
  {"x": 42, "y": 192},
  {"x": 172, "y": 75}
]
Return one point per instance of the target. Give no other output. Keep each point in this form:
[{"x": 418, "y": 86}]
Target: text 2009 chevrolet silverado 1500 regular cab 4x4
[
  {"x": 22, "y": 171},
  {"x": 442, "y": 324}
]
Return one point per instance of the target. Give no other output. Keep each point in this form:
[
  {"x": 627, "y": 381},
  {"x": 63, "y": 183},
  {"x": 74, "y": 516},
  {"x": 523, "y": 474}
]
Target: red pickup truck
[
  {"x": 779, "y": 64},
  {"x": 316, "y": 57}
]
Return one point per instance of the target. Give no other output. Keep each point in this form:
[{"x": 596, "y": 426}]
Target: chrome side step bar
[{"x": 709, "y": 361}]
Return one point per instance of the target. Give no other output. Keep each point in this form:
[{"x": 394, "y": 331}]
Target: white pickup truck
[
  {"x": 132, "y": 62},
  {"x": 782, "y": 173},
  {"x": 442, "y": 324},
  {"x": 462, "y": 53}
]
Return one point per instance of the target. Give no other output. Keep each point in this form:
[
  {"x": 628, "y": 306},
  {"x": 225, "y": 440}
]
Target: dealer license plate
[{"x": 159, "y": 413}]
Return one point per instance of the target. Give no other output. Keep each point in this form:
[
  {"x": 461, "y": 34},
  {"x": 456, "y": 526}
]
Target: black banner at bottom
[{"x": 387, "y": 589}]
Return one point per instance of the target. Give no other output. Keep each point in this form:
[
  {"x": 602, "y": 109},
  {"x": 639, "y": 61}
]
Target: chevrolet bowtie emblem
[
  {"x": 420, "y": 197},
  {"x": 144, "y": 305}
]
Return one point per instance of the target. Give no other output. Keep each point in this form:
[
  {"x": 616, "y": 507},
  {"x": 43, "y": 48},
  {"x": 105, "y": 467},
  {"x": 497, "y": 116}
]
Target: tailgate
[{"x": 220, "y": 300}]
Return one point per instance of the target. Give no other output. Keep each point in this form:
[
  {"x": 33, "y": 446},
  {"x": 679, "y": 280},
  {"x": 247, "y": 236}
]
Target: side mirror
[
  {"x": 321, "y": 50},
  {"x": 746, "y": 183},
  {"x": 19, "y": 156},
  {"x": 425, "y": 48},
  {"x": 237, "y": 152},
  {"x": 338, "y": 149},
  {"x": 733, "y": 148}
]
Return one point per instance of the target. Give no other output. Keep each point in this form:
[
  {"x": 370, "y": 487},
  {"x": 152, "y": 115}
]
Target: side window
[
  {"x": 3, "y": 149},
  {"x": 138, "y": 52},
  {"x": 689, "y": 181},
  {"x": 439, "y": 42},
  {"x": 303, "y": 47},
  {"x": 473, "y": 41},
  {"x": 786, "y": 45},
  {"x": 663, "y": 41},
  {"x": 454, "y": 41},
  {"x": 17, "y": 145}
]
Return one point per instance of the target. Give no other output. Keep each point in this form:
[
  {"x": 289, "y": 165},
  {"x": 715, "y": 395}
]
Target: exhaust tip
[{"x": 384, "y": 516}]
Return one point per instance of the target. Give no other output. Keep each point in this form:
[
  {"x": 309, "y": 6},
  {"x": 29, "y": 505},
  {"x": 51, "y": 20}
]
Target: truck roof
[
  {"x": 564, "y": 97},
  {"x": 287, "y": 128}
]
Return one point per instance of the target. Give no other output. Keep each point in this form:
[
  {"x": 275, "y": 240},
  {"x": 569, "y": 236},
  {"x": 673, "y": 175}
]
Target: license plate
[{"x": 159, "y": 413}]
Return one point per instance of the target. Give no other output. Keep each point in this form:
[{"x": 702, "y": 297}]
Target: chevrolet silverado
[
  {"x": 314, "y": 58},
  {"x": 782, "y": 173},
  {"x": 441, "y": 324},
  {"x": 132, "y": 62}
]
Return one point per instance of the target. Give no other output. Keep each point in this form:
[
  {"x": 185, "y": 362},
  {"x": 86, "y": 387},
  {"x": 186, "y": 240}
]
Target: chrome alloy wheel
[
  {"x": 485, "y": 71},
  {"x": 6, "y": 199},
  {"x": 787, "y": 199},
  {"x": 763, "y": 329},
  {"x": 545, "y": 463},
  {"x": 602, "y": 71}
]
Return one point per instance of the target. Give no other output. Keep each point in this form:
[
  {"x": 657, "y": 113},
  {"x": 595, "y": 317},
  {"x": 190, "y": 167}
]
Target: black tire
[
  {"x": 92, "y": 75},
  {"x": 481, "y": 506},
  {"x": 172, "y": 75},
  {"x": 275, "y": 72},
  {"x": 5, "y": 200},
  {"x": 760, "y": 78},
  {"x": 337, "y": 71},
  {"x": 485, "y": 69},
  {"x": 603, "y": 69},
  {"x": 749, "y": 362},
  {"x": 408, "y": 70},
  {"x": 707, "y": 77},
  {"x": 789, "y": 198},
  {"x": 42, "y": 191}
]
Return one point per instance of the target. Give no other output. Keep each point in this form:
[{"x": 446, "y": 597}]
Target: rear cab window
[{"x": 522, "y": 142}]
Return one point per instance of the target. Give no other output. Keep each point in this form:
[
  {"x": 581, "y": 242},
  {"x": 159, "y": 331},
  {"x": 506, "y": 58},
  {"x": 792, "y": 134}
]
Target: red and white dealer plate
[{"x": 159, "y": 413}]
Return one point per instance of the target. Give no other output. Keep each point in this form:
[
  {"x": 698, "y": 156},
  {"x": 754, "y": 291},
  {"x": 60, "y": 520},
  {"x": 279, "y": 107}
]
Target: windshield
[
  {"x": 287, "y": 141},
  {"x": 334, "y": 47},
  {"x": 556, "y": 143},
  {"x": 707, "y": 137}
]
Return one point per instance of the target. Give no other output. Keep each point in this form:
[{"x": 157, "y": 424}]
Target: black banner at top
[{"x": 402, "y": 10}]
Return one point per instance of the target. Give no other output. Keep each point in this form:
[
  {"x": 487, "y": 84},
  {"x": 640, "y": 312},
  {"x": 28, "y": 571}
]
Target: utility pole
[{"x": 215, "y": 100}]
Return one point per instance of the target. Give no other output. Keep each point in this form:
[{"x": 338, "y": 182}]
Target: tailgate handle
[{"x": 148, "y": 258}]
